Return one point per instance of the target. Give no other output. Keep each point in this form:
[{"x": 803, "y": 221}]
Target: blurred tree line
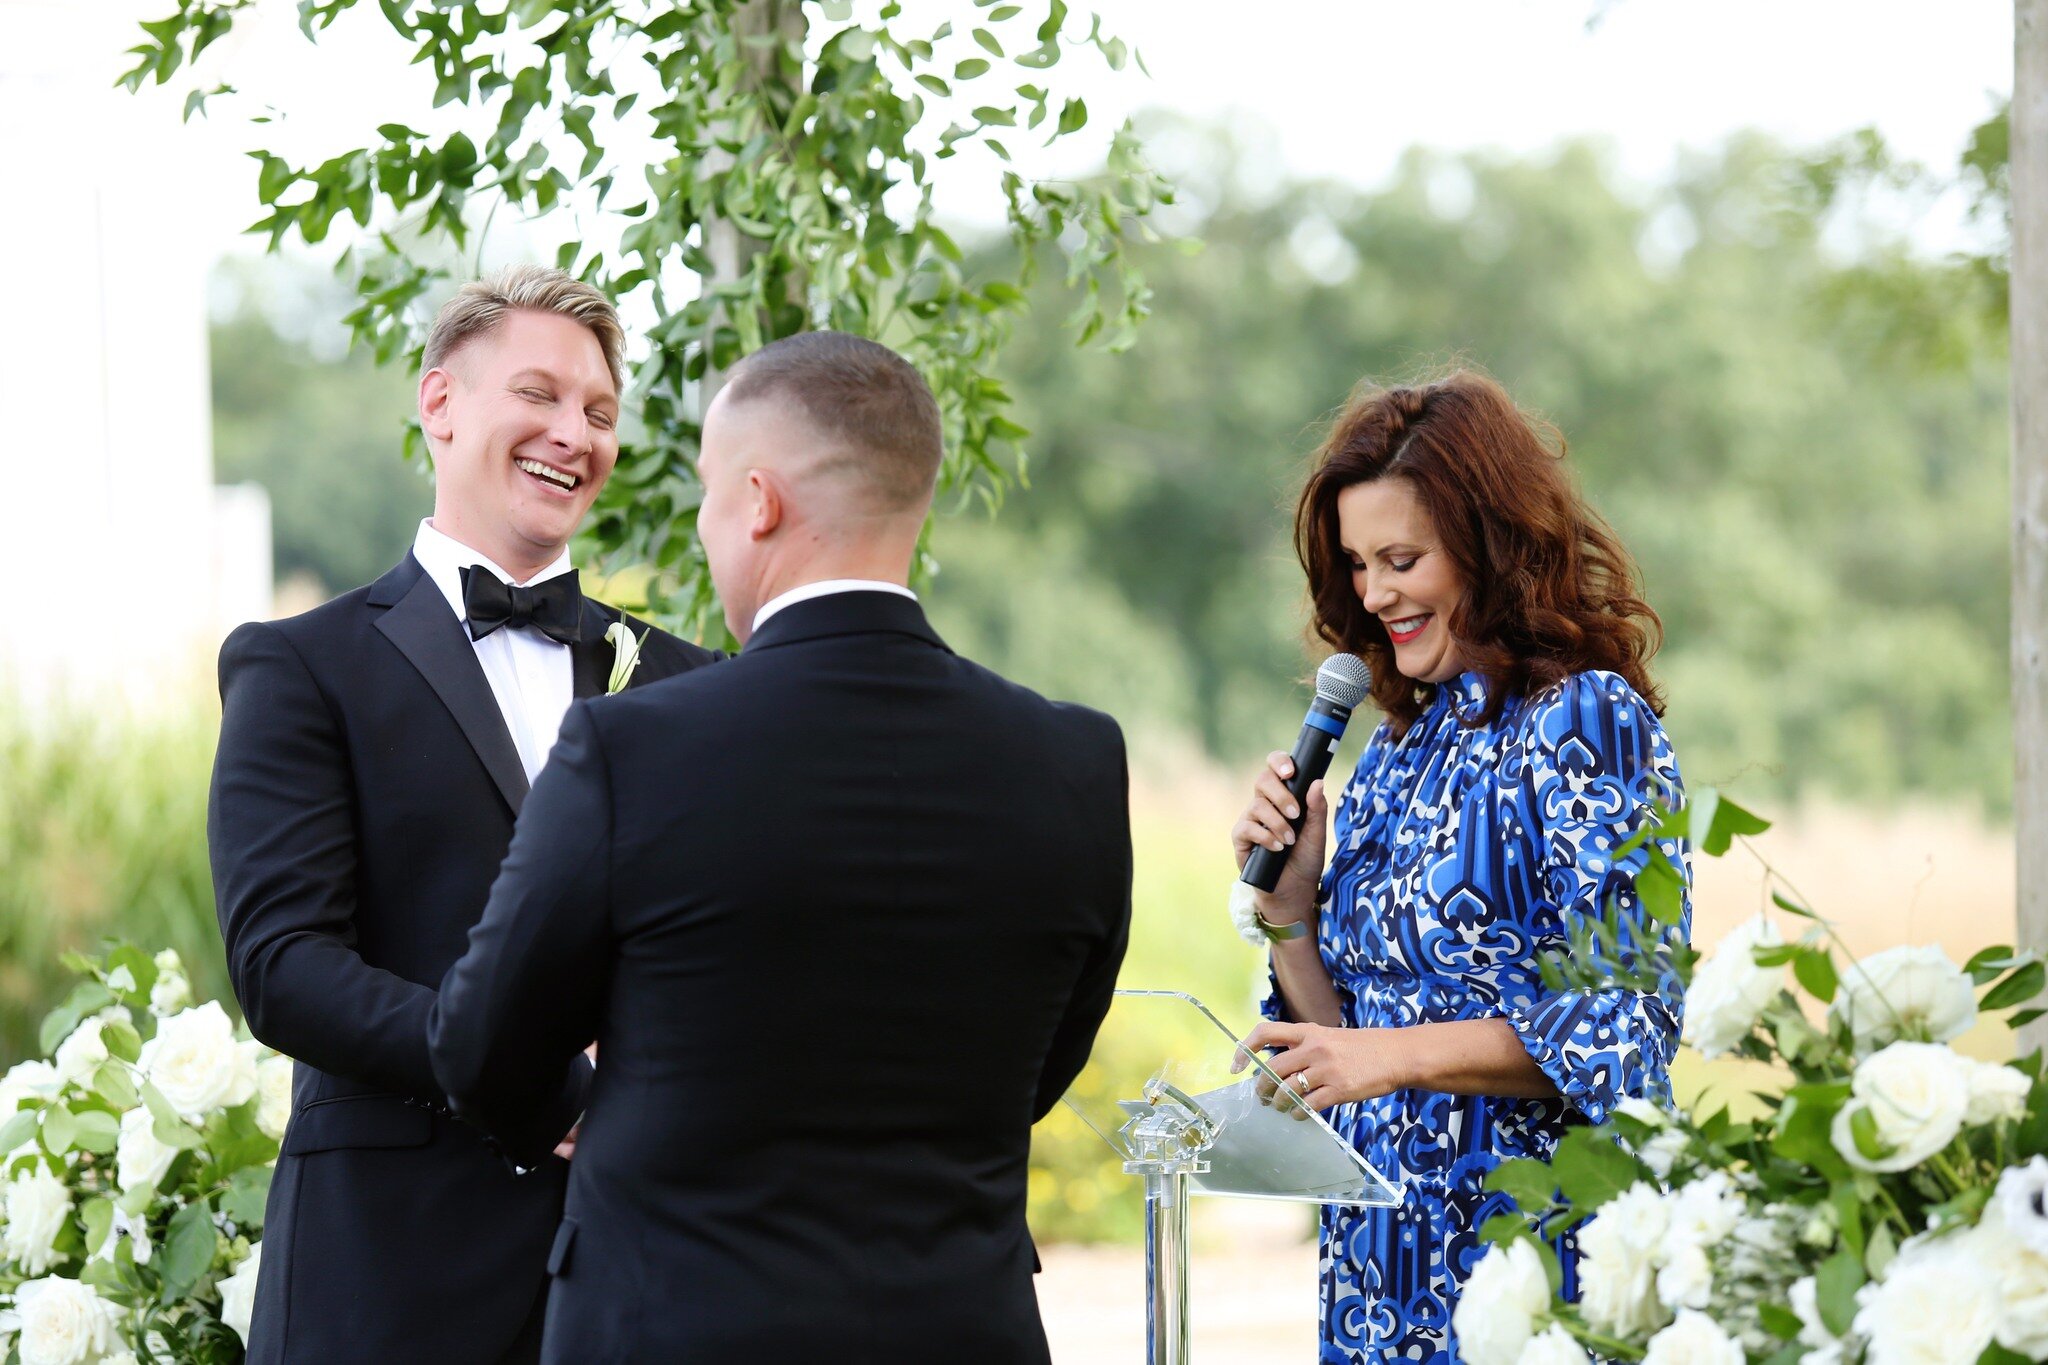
[{"x": 1795, "y": 418}]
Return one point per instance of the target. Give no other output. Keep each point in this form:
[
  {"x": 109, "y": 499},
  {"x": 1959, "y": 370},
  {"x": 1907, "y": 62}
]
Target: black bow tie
[{"x": 554, "y": 607}]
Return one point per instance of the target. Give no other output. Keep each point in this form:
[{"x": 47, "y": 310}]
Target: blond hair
[{"x": 481, "y": 306}]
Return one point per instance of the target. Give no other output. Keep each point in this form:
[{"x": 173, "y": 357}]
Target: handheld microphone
[{"x": 1341, "y": 683}]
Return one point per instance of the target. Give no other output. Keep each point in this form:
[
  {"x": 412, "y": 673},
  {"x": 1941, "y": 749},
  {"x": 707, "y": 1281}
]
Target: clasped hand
[{"x": 1327, "y": 1066}]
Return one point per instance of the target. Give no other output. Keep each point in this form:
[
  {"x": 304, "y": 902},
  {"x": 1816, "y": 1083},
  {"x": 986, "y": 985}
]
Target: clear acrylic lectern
[{"x": 1159, "y": 1089}]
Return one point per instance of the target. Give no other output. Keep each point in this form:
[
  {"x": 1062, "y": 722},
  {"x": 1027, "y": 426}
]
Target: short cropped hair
[
  {"x": 481, "y": 307},
  {"x": 862, "y": 396}
]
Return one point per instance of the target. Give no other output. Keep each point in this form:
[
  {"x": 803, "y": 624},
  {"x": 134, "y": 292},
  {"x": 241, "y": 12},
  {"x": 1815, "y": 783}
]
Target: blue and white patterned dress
[{"x": 1461, "y": 852}]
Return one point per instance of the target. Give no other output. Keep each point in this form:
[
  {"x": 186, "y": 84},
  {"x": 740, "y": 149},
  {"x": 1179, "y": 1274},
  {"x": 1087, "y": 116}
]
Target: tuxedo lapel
[
  {"x": 430, "y": 637},
  {"x": 592, "y": 654}
]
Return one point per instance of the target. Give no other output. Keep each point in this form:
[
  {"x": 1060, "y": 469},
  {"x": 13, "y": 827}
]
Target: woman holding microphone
[{"x": 1445, "y": 545}]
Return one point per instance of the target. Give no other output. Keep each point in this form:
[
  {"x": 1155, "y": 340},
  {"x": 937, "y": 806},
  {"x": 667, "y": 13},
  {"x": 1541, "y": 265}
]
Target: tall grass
[{"x": 102, "y": 834}]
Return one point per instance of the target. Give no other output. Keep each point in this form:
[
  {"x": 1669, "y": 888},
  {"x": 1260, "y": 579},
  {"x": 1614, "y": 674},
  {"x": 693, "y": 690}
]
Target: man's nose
[{"x": 570, "y": 432}]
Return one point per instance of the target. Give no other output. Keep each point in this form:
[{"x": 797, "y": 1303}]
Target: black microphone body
[{"x": 1312, "y": 752}]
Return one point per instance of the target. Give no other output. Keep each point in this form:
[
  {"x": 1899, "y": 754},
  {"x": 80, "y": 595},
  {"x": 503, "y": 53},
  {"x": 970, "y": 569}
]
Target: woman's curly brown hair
[{"x": 1549, "y": 589}]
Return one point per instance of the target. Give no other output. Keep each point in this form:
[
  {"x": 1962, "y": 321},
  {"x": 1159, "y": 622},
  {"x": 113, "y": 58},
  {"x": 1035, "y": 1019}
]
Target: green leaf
[
  {"x": 1816, "y": 971},
  {"x": 60, "y": 1128},
  {"x": 1869, "y": 1142},
  {"x": 988, "y": 42},
  {"x": 187, "y": 1251},
  {"x": 970, "y": 68},
  {"x": 1848, "y": 1206},
  {"x": 87, "y": 997},
  {"x": 1525, "y": 1180},
  {"x": 141, "y": 971},
  {"x": 2022, "y": 1018},
  {"x": 246, "y": 1195},
  {"x": 1590, "y": 1168},
  {"x": 1074, "y": 116},
  {"x": 1730, "y": 822},
  {"x": 18, "y": 1129},
  {"x": 1780, "y": 1321},
  {"x": 934, "y": 84},
  {"x": 170, "y": 1129},
  {"x": 122, "y": 1041},
  {"x": 1986, "y": 964},
  {"x": 1774, "y": 954},
  {"x": 1837, "y": 1280},
  {"x": 1792, "y": 907},
  {"x": 98, "y": 1217},
  {"x": 2018, "y": 989},
  {"x": 97, "y": 1130},
  {"x": 1661, "y": 890}
]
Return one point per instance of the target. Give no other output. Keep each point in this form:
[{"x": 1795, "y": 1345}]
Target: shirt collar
[
  {"x": 444, "y": 558},
  {"x": 826, "y": 587}
]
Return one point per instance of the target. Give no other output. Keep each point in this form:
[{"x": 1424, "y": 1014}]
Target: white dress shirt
[
  {"x": 824, "y": 588},
  {"x": 533, "y": 677}
]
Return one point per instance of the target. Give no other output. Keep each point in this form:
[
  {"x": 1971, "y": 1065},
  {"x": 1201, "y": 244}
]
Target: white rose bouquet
[
  {"x": 134, "y": 1166},
  {"x": 1888, "y": 1207}
]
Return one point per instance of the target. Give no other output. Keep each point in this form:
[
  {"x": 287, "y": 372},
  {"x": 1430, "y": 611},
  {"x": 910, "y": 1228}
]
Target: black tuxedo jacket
[
  {"x": 363, "y": 796},
  {"x": 835, "y": 977}
]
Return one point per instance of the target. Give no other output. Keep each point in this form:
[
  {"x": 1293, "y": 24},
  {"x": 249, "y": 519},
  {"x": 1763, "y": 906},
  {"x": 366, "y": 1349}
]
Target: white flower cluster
[
  {"x": 1918, "y": 1096},
  {"x": 1947, "y": 1296},
  {"x": 105, "y": 1137}
]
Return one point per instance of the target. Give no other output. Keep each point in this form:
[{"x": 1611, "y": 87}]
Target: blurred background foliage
[{"x": 1793, "y": 415}]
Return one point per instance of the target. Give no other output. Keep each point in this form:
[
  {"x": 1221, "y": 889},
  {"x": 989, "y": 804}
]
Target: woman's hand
[
  {"x": 1264, "y": 824},
  {"x": 1330, "y": 1066}
]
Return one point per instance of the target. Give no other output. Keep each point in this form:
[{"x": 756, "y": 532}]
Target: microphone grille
[{"x": 1344, "y": 679}]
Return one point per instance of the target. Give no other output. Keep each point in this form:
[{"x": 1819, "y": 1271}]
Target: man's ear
[
  {"x": 437, "y": 393},
  {"x": 766, "y": 491}
]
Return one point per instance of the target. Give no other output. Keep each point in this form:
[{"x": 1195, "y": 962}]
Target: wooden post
[
  {"x": 731, "y": 251},
  {"x": 2030, "y": 476}
]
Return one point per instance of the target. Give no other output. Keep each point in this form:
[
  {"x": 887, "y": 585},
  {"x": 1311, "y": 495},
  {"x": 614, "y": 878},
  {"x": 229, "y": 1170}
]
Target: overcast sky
[{"x": 1339, "y": 87}]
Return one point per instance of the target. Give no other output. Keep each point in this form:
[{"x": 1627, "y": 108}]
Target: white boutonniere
[{"x": 625, "y": 655}]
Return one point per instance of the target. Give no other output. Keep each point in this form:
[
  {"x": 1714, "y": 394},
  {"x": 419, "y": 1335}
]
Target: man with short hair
[
  {"x": 373, "y": 755},
  {"x": 833, "y": 988}
]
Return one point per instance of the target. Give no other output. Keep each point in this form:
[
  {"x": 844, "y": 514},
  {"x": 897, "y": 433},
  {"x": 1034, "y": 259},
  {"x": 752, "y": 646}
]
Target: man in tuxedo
[
  {"x": 373, "y": 755},
  {"x": 837, "y": 974}
]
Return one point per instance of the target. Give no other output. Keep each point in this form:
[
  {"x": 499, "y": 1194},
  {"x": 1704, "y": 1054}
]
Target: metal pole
[
  {"x": 2030, "y": 476},
  {"x": 1166, "y": 1269}
]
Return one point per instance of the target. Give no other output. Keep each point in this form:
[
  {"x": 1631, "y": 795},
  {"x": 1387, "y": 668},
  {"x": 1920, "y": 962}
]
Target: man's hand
[{"x": 566, "y": 1148}]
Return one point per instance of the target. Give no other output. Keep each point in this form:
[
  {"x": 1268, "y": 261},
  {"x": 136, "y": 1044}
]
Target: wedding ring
[{"x": 1302, "y": 1076}]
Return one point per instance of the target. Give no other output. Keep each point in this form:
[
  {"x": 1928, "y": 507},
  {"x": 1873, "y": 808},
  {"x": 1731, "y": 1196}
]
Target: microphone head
[{"x": 1344, "y": 679}]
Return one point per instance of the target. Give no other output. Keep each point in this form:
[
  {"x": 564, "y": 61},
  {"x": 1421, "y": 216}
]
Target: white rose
[
  {"x": 2022, "y": 1275},
  {"x": 27, "y": 1081},
  {"x": 82, "y": 1053},
  {"x": 1937, "y": 1305},
  {"x": 171, "y": 993},
  {"x": 238, "y": 1293},
  {"x": 1553, "y": 1346},
  {"x": 1662, "y": 1151},
  {"x": 1499, "y": 1303},
  {"x": 63, "y": 1322},
  {"x": 196, "y": 1063},
  {"x": 1996, "y": 1092},
  {"x": 1693, "y": 1339},
  {"x": 139, "y": 1158},
  {"x": 2022, "y": 1196},
  {"x": 1918, "y": 1094},
  {"x": 38, "y": 1205},
  {"x": 274, "y": 1095},
  {"x": 134, "y": 1230},
  {"x": 1618, "y": 1262},
  {"x": 116, "y": 1014},
  {"x": 1703, "y": 1213},
  {"x": 1687, "y": 1279},
  {"x": 1729, "y": 991},
  {"x": 1905, "y": 992}
]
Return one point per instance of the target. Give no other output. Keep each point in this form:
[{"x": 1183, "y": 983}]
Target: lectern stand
[{"x": 1159, "y": 1089}]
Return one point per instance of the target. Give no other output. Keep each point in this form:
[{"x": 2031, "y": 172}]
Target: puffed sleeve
[{"x": 1595, "y": 759}]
